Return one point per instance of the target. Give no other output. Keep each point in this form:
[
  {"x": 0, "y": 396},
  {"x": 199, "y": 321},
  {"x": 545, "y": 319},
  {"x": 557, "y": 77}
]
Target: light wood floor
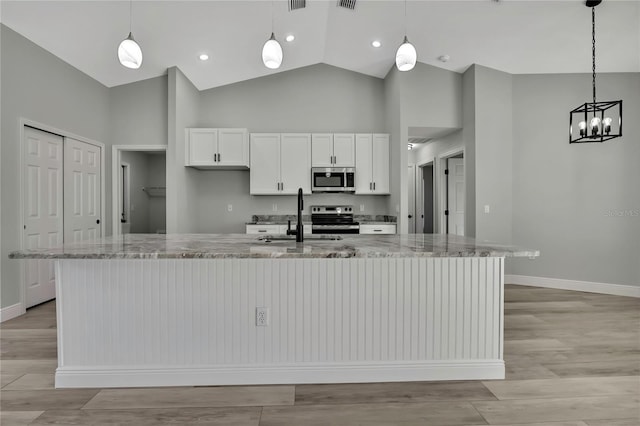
[{"x": 573, "y": 359}]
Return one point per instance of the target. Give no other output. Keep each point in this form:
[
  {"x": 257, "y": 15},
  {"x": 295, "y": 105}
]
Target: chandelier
[{"x": 596, "y": 121}]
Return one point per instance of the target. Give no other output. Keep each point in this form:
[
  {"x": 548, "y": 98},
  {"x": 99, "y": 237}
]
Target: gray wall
[
  {"x": 318, "y": 98},
  {"x": 469, "y": 138},
  {"x": 493, "y": 154},
  {"x": 579, "y": 204},
  {"x": 182, "y": 182},
  {"x": 138, "y": 112},
  {"x": 38, "y": 86},
  {"x": 428, "y": 97}
]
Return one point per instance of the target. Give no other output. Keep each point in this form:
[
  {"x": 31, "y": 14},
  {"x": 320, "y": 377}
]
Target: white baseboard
[
  {"x": 105, "y": 377},
  {"x": 11, "y": 312},
  {"x": 588, "y": 286}
]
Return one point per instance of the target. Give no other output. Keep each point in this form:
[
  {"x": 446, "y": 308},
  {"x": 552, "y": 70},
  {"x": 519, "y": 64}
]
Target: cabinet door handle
[
  {"x": 374, "y": 186},
  {"x": 219, "y": 157},
  {"x": 215, "y": 158},
  {"x": 333, "y": 159},
  {"x": 370, "y": 186},
  {"x": 282, "y": 186}
]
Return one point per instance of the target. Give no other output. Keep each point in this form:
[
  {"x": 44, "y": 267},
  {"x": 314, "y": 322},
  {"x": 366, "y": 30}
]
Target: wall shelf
[{"x": 155, "y": 191}]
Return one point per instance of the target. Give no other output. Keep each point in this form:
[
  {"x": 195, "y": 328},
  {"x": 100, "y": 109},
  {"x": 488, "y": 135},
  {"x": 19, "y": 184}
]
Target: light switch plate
[
  {"x": 229, "y": 207},
  {"x": 487, "y": 209}
]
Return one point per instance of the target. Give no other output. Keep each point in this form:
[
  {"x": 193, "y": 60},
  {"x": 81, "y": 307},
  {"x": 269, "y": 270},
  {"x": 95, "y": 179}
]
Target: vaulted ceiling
[{"x": 514, "y": 36}]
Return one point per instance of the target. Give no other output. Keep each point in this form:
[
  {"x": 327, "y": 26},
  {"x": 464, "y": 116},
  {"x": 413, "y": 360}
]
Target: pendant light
[
  {"x": 129, "y": 52},
  {"x": 272, "y": 51},
  {"x": 406, "y": 56},
  {"x": 597, "y": 121}
]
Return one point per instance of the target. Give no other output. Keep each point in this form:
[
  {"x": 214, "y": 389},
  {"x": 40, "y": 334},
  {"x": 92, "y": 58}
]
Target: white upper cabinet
[
  {"x": 322, "y": 150},
  {"x": 280, "y": 163},
  {"x": 217, "y": 148},
  {"x": 344, "y": 150},
  {"x": 333, "y": 150},
  {"x": 372, "y": 163},
  {"x": 295, "y": 162}
]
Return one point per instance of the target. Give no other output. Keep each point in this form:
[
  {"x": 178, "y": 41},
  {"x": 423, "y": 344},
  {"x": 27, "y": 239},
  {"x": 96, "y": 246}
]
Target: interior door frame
[
  {"x": 441, "y": 186},
  {"x": 116, "y": 158},
  {"x": 25, "y": 122}
]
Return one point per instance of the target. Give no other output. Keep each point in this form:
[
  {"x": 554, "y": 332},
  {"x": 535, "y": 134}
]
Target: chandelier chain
[{"x": 593, "y": 49}]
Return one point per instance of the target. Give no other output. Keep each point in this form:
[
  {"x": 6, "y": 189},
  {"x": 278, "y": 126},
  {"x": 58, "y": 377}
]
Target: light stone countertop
[{"x": 230, "y": 246}]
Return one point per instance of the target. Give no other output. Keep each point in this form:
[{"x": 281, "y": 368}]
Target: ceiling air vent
[
  {"x": 297, "y": 4},
  {"x": 348, "y": 4}
]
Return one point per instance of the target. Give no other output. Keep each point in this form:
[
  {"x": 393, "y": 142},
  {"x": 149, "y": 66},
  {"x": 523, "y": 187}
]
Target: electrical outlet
[
  {"x": 229, "y": 207},
  {"x": 487, "y": 209},
  {"x": 361, "y": 207},
  {"x": 262, "y": 316}
]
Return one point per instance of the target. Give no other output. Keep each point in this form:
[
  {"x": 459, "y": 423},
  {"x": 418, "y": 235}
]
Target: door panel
[
  {"x": 456, "y": 195},
  {"x": 344, "y": 150},
  {"x": 232, "y": 147},
  {"x": 381, "y": 163},
  {"x": 364, "y": 163},
  {"x": 82, "y": 198},
  {"x": 202, "y": 145},
  {"x": 43, "y": 221},
  {"x": 321, "y": 149},
  {"x": 295, "y": 169},
  {"x": 265, "y": 163}
]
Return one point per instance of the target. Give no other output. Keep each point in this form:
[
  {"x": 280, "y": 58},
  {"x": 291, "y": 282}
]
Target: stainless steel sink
[{"x": 284, "y": 237}]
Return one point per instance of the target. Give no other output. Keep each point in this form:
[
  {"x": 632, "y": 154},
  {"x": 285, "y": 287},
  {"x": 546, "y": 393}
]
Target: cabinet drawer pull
[
  {"x": 377, "y": 230},
  {"x": 262, "y": 230}
]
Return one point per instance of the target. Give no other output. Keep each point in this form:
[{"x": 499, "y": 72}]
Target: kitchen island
[{"x": 178, "y": 310}]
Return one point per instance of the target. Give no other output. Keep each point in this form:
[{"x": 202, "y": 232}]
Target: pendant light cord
[
  {"x": 593, "y": 50},
  {"x": 130, "y": 14},
  {"x": 272, "y": 26},
  {"x": 405, "y": 18}
]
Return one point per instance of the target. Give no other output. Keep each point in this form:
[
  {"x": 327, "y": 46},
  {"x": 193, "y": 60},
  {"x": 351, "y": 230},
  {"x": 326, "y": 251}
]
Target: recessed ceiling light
[
  {"x": 376, "y": 43},
  {"x": 290, "y": 37},
  {"x": 204, "y": 57}
]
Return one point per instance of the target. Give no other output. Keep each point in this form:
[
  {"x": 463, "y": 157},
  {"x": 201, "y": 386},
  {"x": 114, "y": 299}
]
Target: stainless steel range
[{"x": 333, "y": 220}]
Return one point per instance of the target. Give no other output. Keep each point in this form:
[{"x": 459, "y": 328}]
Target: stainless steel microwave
[{"x": 333, "y": 179}]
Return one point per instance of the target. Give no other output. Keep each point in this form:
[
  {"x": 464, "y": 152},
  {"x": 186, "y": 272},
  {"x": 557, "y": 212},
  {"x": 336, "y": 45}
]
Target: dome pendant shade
[
  {"x": 129, "y": 53},
  {"x": 406, "y": 56},
  {"x": 272, "y": 53}
]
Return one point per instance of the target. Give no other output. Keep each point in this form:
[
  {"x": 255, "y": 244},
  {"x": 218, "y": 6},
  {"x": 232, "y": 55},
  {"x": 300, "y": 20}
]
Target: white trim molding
[
  {"x": 11, "y": 312},
  {"x": 365, "y": 372},
  {"x": 587, "y": 286}
]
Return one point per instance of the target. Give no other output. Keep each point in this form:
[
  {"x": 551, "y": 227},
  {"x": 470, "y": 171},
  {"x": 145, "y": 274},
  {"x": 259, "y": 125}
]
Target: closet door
[
  {"x": 42, "y": 207},
  {"x": 82, "y": 195}
]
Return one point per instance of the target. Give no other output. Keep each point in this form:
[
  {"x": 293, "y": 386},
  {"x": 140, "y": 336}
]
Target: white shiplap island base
[{"x": 178, "y": 310}]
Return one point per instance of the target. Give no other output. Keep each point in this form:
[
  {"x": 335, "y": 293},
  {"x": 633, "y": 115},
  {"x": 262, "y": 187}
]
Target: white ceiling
[{"x": 514, "y": 36}]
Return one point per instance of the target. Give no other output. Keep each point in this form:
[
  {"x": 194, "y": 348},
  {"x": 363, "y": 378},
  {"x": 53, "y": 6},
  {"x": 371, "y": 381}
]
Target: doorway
[
  {"x": 428, "y": 197},
  {"x": 453, "y": 193},
  {"x": 139, "y": 189},
  {"x": 62, "y": 189}
]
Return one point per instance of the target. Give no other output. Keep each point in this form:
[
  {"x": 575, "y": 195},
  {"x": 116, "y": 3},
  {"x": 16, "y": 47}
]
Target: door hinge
[
  {"x": 446, "y": 171},
  {"x": 446, "y": 212}
]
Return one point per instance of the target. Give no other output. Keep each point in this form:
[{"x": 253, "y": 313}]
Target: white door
[
  {"x": 344, "y": 150},
  {"x": 295, "y": 163},
  {"x": 411, "y": 186},
  {"x": 82, "y": 195},
  {"x": 233, "y": 147},
  {"x": 364, "y": 163},
  {"x": 380, "y": 147},
  {"x": 322, "y": 150},
  {"x": 43, "y": 219},
  {"x": 264, "y": 177},
  {"x": 455, "y": 193}
]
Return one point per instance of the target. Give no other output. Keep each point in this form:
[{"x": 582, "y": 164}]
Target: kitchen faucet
[{"x": 299, "y": 231}]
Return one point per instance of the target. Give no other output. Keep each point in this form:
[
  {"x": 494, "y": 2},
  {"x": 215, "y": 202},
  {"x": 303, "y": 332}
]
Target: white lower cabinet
[
  {"x": 274, "y": 229},
  {"x": 280, "y": 163},
  {"x": 377, "y": 229}
]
